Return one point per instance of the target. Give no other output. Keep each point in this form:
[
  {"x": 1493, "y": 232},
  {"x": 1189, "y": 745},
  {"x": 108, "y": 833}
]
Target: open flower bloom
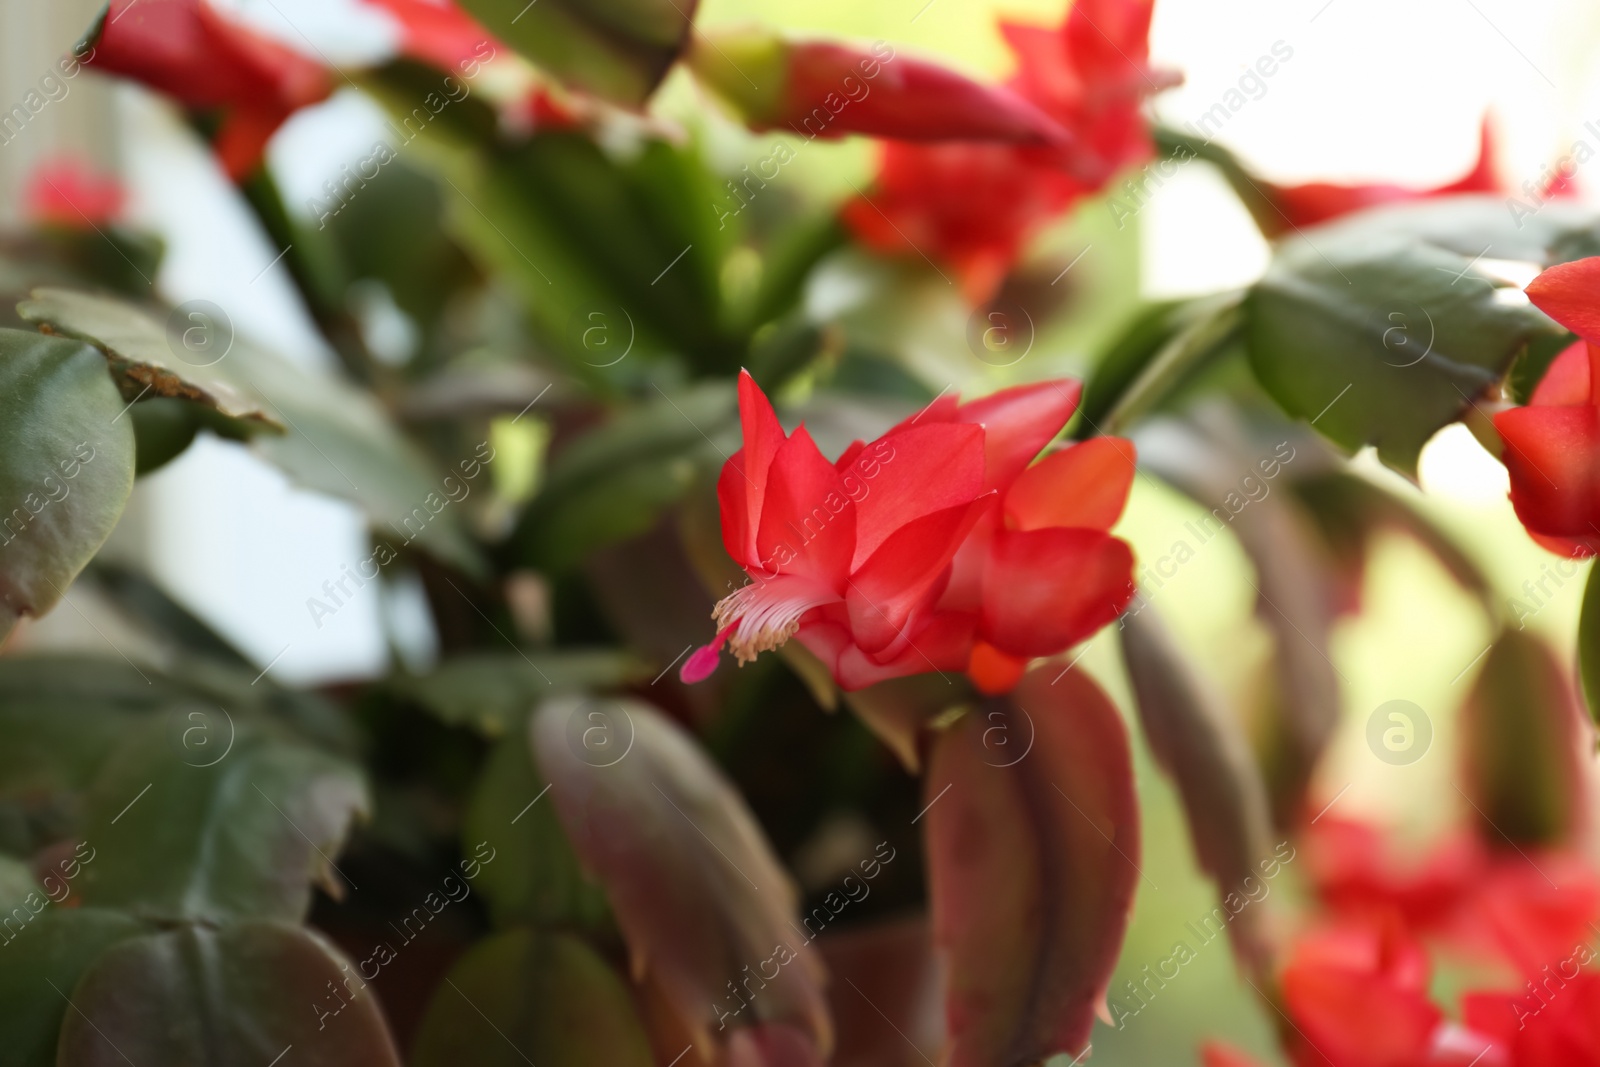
[
  {"x": 189, "y": 51},
  {"x": 974, "y": 207},
  {"x": 1553, "y": 444},
  {"x": 936, "y": 547}
]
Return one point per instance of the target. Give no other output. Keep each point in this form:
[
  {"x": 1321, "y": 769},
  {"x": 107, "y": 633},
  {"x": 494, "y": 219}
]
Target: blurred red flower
[
  {"x": 1527, "y": 910},
  {"x": 1295, "y": 206},
  {"x": 68, "y": 192},
  {"x": 974, "y": 207},
  {"x": 186, "y": 49},
  {"x": 1358, "y": 995},
  {"x": 1557, "y": 1022},
  {"x": 936, "y": 547},
  {"x": 1553, "y": 444}
]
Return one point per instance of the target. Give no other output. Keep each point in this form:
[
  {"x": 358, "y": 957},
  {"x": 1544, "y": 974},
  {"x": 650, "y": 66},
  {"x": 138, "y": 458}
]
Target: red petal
[
  {"x": 1566, "y": 382},
  {"x": 1570, "y": 294},
  {"x": 734, "y": 491},
  {"x": 902, "y": 576},
  {"x": 1086, "y": 485},
  {"x": 1359, "y": 996},
  {"x": 941, "y": 408},
  {"x": 1046, "y": 590},
  {"x": 1018, "y": 423},
  {"x": 1537, "y": 914},
  {"x": 241, "y": 142},
  {"x": 808, "y": 525},
  {"x": 972, "y": 207},
  {"x": 742, "y": 490},
  {"x": 1319, "y": 202},
  {"x": 1553, "y": 457},
  {"x": 941, "y": 643},
  {"x": 907, "y": 475},
  {"x": 1216, "y": 1054}
]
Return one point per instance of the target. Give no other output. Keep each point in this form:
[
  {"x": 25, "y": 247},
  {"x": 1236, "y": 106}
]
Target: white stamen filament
[{"x": 761, "y": 616}]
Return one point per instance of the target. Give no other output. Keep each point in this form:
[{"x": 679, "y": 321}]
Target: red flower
[
  {"x": 975, "y": 207},
  {"x": 1553, "y": 445},
  {"x": 67, "y": 192},
  {"x": 823, "y": 89},
  {"x": 1317, "y": 202},
  {"x": 186, "y": 49},
  {"x": 1358, "y": 996},
  {"x": 1530, "y": 911},
  {"x": 934, "y": 548},
  {"x": 1556, "y": 1022}
]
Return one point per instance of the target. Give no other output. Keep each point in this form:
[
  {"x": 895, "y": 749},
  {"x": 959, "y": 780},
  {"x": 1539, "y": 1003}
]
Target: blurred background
[{"x": 1374, "y": 91}]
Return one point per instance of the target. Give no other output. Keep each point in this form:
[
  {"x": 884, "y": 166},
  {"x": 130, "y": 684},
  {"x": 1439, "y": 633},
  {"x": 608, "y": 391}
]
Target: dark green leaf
[
  {"x": 524, "y": 997},
  {"x": 617, "y": 49},
  {"x": 145, "y": 601},
  {"x": 1160, "y": 352},
  {"x": 619, "y": 261},
  {"x": 218, "y": 833},
  {"x": 535, "y": 877},
  {"x": 494, "y": 692},
  {"x": 1380, "y": 329},
  {"x": 67, "y": 471},
  {"x": 236, "y": 996},
  {"x": 614, "y": 482},
  {"x": 338, "y": 440},
  {"x": 1523, "y": 737},
  {"x": 145, "y": 356},
  {"x": 1589, "y": 644},
  {"x": 40, "y": 966}
]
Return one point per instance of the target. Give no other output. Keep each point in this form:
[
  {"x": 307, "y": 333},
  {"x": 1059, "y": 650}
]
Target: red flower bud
[{"x": 822, "y": 89}]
